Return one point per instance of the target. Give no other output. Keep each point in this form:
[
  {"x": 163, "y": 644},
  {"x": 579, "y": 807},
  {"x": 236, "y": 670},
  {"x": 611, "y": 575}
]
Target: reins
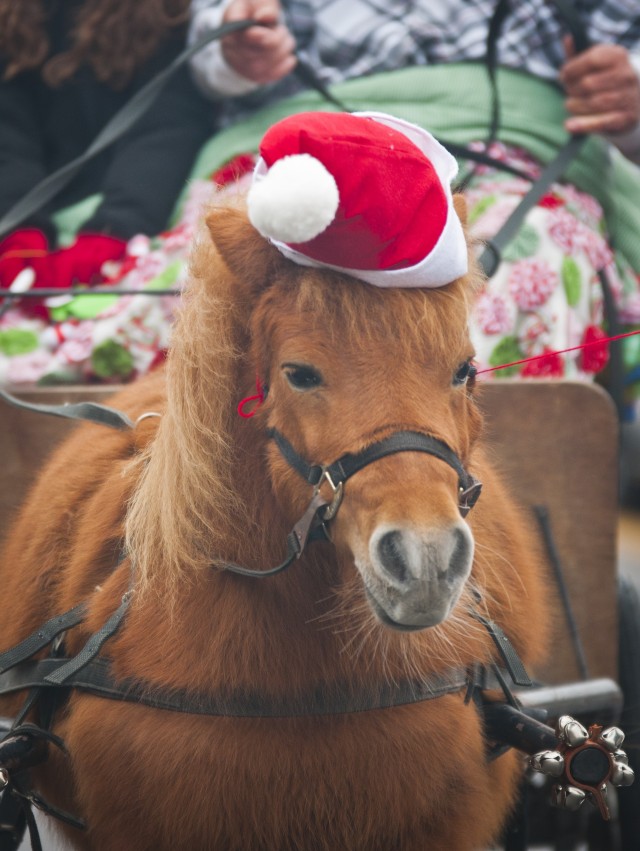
[{"x": 113, "y": 130}]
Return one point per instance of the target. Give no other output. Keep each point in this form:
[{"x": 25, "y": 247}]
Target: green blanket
[{"x": 453, "y": 101}]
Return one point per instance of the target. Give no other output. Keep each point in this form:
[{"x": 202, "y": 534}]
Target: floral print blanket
[{"x": 545, "y": 296}]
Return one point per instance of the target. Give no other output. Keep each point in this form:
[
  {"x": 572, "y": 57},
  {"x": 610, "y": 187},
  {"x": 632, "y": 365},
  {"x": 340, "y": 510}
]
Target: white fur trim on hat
[{"x": 447, "y": 260}]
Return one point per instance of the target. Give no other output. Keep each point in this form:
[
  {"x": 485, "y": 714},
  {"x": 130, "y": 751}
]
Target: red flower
[
  {"x": 233, "y": 170},
  {"x": 596, "y": 354},
  {"x": 550, "y": 201},
  {"x": 548, "y": 365}
]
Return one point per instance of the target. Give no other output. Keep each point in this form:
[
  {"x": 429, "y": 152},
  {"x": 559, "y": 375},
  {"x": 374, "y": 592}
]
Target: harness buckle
[
  {"x": 467, "y": 497},
  {"x": 338, "y": 492}
]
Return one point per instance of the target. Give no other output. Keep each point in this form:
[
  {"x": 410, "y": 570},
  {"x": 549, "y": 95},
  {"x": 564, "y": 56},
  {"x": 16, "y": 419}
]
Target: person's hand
[
  {"x": 603, "y": 89},
  {"x": 262, "y": 54}
]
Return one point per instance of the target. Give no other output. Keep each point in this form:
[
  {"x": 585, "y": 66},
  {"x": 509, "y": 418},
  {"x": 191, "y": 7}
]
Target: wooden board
[{"x": 556, "y": 442}]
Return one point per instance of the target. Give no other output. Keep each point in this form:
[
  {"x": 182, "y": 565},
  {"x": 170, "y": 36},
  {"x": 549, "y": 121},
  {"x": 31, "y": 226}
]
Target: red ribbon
[{"x": 258, "y": 398}]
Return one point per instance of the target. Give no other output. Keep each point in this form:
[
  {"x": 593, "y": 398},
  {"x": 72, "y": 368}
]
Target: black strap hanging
[
  {"x": 571, "y": 19},
  {"x": 42, "y": 636},
  {"x": 507, "y": 651},
  {"x": 490, "y": 258}
]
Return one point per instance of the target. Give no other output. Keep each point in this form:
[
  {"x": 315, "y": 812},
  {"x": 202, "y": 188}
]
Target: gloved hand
[
  {"x": 81, "y": 263},
  {"x": 22, "y": 249}
]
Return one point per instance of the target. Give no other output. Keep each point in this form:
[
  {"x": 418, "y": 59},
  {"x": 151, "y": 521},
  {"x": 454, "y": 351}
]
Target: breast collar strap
[{"x": 93, "y": 675}]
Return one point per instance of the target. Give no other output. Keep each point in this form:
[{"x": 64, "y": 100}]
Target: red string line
[{"x": 599, "y": 342}]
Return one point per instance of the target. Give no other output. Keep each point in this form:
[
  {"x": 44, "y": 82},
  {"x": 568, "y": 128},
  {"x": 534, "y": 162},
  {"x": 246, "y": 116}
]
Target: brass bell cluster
[{"x": 583, "y": 763}]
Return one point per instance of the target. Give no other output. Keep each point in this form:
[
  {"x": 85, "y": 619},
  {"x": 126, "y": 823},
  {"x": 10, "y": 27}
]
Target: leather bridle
[{"x": 313, "y": 523}]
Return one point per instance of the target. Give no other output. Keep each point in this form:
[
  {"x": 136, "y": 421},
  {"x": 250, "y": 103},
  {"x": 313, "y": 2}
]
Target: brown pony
[{"x": 346, "y": 364}]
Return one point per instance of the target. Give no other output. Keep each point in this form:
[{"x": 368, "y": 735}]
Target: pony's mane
[
  {"x": 188, "y": 505},
  {"x": 179, "y": 514}
]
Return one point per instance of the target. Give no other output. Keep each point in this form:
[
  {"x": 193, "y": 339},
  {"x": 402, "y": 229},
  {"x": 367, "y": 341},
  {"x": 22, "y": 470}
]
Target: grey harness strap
[{"x": 91, "y": 412}]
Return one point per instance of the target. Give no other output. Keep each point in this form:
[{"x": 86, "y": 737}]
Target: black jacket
[{"x": 140, "y": 176}]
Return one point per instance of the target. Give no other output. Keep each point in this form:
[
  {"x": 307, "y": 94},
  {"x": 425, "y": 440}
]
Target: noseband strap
[{"x": 401, "y": 441}]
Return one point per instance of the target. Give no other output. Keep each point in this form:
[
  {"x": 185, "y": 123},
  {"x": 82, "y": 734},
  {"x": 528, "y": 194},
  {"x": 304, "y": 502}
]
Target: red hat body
[{"x": 392, "y": 207}]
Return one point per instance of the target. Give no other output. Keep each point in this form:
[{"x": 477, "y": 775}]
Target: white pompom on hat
[{"x": 366, "y": 194}]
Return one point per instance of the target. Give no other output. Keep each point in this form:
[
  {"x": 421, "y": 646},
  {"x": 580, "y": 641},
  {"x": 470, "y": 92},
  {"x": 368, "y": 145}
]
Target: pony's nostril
[
  {"x": 392, "y": 555},
  {"x": 459, "y": 562}
]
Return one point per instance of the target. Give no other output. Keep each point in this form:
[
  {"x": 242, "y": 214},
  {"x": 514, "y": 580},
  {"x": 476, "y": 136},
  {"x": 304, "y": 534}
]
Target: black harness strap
[
  {"x": 500, "y": 14},
  {"x": 91, "y": 649},
  {"x": 95, "y": 678},
  {"x": 295, "y": 546},
  {"x": 312, "y": 524},
  {"x": 511, "y": 659},
  {"x": 42, "y": 636},
  {"x": 92, "y": 412},
  {"x": 24, "y": 747},
  {"x": 570, "y": 18},
  {"x": 491, "y": 256},
  {"x": 91, "y": 673},
  {"x": 574, "y": 24},
  {"x": 403, "y": 441}
]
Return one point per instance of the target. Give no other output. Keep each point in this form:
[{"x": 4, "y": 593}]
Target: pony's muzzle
[{"x": 415, "y": 577}]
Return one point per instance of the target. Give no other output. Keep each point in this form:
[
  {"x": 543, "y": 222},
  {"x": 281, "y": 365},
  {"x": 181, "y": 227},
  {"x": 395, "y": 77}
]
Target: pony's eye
[
  {"x": 302, "y": 377},
  {"x": 466, "y": 372}
]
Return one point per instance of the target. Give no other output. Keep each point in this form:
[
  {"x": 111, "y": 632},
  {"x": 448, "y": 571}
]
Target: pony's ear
[
  {"x": 460, "y": 206},
  {"x": 249, "y": 256}
]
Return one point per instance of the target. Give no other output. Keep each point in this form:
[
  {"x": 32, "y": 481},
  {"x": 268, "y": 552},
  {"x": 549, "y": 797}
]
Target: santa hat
[{"x": 365, "y": 194}]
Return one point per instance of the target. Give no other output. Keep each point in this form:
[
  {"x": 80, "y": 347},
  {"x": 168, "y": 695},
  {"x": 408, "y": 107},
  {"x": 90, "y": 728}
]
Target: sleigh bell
[
  {"x": 365, "y": 194},
  {"x": 583, "y": 763}
]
